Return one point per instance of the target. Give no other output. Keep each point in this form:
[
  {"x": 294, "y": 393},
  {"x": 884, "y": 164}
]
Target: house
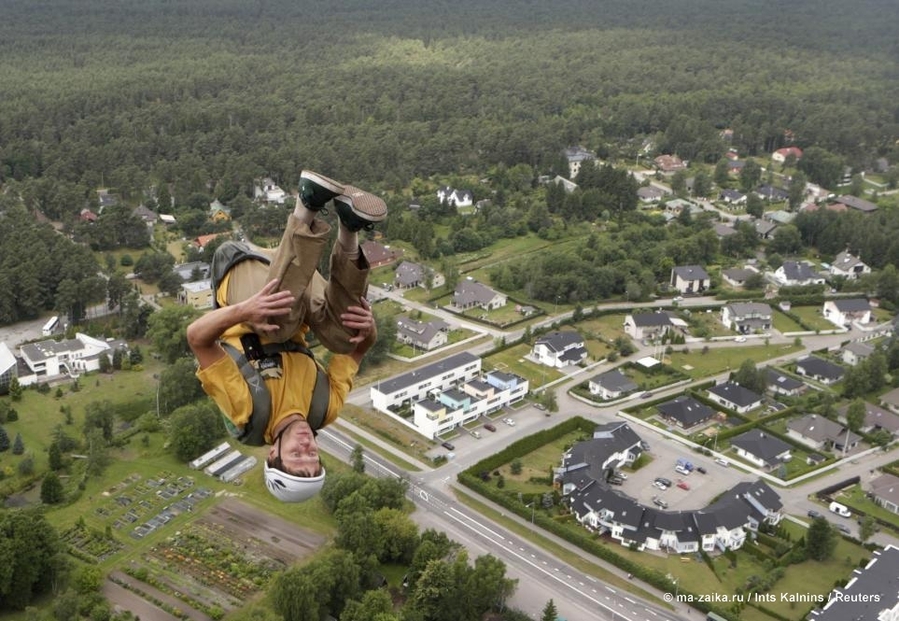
[
  {"x": 167, "y": 218},
  {"x": 194, "y": 270},
  {"x": 470, "y": 293},
  {"x": 764, "y": 228},
  {"x": 820, "y": 370},
  {"x": 871, "y": 594},
  {"x": 848, "y": 266},
  {"x": 685, "y": 412},
  {"x": 559, "y": 349},
  {"x": 761, "y": 449},
  {"x": 690, "y": 279},
  {"x": 219, "y": 212},
  {"x": 48, "y": 359},
  {"x": 885, "y": 492},
  {"x": 612, "y": 446},
  {"x": 735, "y": 166},
  {"x": 772, "y": 194},
  {"x": 780, "y": 216},
  {"x": 649, "y": 194},
  {"x": 576, "y": 156},
  {"x": 426, "y": 335},
  {"x": 378, "y": 254},
  {"x": 797, "y": 274},
  {"x": 735, "y": 397},
  {"x": 844, "y": 312},
  {"x": 856, "y": 352},
  {"x": 723, "y": 230},
  {"x": 105, "y": 199},
  {"x": 732, "y": 197},
  {"x": 781, "y": 384},
  {"x": 409, "y": 274},
  {"x": 8, "y": 368},
  {"x": 197, "y": 294},
  {"x": 876, "y": 419},
  {"x": 644, "y": 326},
  {"x": 269, "y": 192},
  {"x": 746, "y": 317},
  {"x": 201, "y": 241},
  {"x": 87, "y": 215},
  {"x": 676, "y": 206},
  {"x": 456, "y": 198},
  {"x": 859, "y": 204},
  {"x": 611, "y": 385},
  {"x": 821, "y": 433},
  {"x": 146, "y": 214},
  {"x": 669, "y": 163},
  {"x": 781, "y": 155},
  {"x": 737, "y": 277},
  {"x": 568, "y": 186}
]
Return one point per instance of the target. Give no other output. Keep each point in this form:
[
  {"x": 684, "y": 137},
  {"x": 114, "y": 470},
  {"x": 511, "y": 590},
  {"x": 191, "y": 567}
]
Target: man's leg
[
  {"x": 356, "y": 210},
  {"x": 297, "y": 257}
]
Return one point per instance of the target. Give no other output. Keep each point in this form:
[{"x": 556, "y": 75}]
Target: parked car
[
  {"x": 659, "y": 485},
  {"x": 664, "y": 481},
  {"x": 476, "y": 433},
  {"x": 722, "y": 462},
  {"x": 683, "y": 485},
  {"x": 740, "y": 339},
  {"x": 448, "y": 446},
  {"x": 659, "y": 502},
  {"x": 701, "y": 470},
  {"x": 540, "y": 406},
  {"x": 844, "y": 529},
  {"x": 813, "y": 514},
  {"x": 621, "y": 475},
  {"x": 509, "y": 422},
  {"x": 840, "y": 510},
  {"x": 681, "y": 470},
  {"x": 489, "y": 426},
  {"x": 679, "y": 298},
  {"x": 615, "y": 481}
]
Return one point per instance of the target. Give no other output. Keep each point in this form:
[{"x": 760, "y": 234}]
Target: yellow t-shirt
[{"x": 291, "y": 393}]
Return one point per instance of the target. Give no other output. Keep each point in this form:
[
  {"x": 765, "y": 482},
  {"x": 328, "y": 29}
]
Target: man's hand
[
  {"x": 360, "y": 318},
  {"x": 267, "y": 303}
]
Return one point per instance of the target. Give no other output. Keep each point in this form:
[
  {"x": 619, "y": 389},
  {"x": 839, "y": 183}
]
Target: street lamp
[{"x": 533, "y": 506}]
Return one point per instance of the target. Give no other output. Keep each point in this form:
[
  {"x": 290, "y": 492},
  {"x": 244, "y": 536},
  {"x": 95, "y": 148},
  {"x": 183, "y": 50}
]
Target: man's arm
[{"x": 203, "y": 334}]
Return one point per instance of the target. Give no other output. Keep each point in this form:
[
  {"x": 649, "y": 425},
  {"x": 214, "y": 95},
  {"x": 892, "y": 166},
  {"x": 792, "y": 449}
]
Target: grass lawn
[
  {"x": 707, "y": 324},
  {"x": 812, "y": 317},
  {"x": 784, "y": 323},
  {"x": 717, "y": 360},
  {"x": 609, "y": 327},
  {"x": 856, "y": 499},
  {"x": 512, "y": 360}
]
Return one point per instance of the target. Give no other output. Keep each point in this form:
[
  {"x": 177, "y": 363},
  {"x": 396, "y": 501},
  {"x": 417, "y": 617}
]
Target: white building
[
  {"x": 848, "y": 266},
  {"x": 68, "y": 357},
  {"x": 447, "y": 409},
  {"x": 559, "y": 349},
  {"x": 843, "y": 312},
  {"x": 269, "y": 192},
  {"x": 416, "y": 385},
  {"x": 8, "y": 368},
  {"x": 746, "y": 317}
]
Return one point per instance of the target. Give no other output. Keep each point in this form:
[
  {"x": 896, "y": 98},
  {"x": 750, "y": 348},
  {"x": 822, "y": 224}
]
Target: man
[{"x": 265, "y": 306}]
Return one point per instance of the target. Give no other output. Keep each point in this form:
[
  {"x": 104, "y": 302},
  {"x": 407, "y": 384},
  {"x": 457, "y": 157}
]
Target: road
[{"x": 541, "y": 576}]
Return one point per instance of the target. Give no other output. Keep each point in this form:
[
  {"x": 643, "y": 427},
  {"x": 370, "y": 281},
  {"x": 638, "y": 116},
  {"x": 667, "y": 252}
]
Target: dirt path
[{"x": 121, "y": 598}]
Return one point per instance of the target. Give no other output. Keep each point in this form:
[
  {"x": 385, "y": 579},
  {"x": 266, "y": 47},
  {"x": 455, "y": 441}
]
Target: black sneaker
[
  {"x": 316, "y": 190},
  {"x": 358, "y": 209}
]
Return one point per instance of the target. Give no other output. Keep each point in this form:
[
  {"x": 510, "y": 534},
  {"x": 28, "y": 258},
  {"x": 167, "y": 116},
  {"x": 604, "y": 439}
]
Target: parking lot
[{"x": 665, "y": 453}]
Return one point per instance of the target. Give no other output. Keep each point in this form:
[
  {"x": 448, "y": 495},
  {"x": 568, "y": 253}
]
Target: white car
[
  {"x": 740, "y": 339},
  {"x": 509, "y": 422},
  {"x": 722, "y": 462}
]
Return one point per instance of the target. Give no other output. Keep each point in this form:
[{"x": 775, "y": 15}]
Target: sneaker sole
[
  {"x": 325, "y": 182},
  {"x": 364, "y": 204}
]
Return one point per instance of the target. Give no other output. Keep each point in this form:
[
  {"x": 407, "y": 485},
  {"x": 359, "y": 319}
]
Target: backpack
[{"x": 227, "y": 256}]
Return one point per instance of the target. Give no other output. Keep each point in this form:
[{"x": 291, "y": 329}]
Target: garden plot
[{"x": 224, "y": 558}]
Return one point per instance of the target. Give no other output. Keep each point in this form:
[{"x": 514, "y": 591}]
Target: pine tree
[
  {"x": 18, "y": 446},
  {"x": 55, "y": 457},
  {"x": 4, "y": 440},
  {"x": 51, "y": 489},
  {"x": 549, "y": 612}
]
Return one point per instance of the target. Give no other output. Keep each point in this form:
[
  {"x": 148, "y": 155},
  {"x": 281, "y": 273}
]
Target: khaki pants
[{"x": 319, "y": 302}]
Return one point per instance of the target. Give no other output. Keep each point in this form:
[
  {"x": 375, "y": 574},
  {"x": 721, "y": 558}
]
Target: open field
[
  {"x": 718, "y": 360},
  {"x": 512, "y": 360}
]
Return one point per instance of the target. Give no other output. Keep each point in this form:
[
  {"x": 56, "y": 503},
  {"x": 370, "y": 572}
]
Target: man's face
[{"x": 299, "y": 452}]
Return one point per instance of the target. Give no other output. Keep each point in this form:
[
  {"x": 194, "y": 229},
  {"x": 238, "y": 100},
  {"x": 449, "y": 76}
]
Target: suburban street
[{"x": 541, "y": 576}]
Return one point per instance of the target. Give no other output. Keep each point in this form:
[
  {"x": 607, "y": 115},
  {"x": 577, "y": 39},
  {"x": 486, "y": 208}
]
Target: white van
[{"x": 840, "y": 510}]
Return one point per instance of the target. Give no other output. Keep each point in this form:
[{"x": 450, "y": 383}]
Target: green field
[
  {"x": 812, "y": 317},
  {"x": 511, "y": 360},
  {"x": 785, "y": 323},
  {"x": 718, "y": 360}
]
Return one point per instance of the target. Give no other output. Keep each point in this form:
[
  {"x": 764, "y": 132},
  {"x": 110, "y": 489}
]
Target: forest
[{"x": 173, "y": 104}]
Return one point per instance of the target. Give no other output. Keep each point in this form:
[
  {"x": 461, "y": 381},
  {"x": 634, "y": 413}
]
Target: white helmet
[{"x": 289, "y": 487}]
